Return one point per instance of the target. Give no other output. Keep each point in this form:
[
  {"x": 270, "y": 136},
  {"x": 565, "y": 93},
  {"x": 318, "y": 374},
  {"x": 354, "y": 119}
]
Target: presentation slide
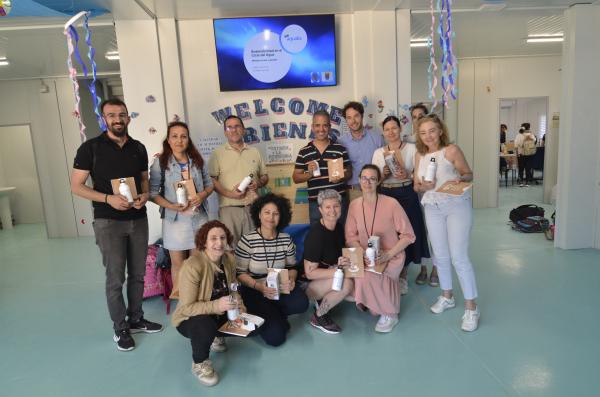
[{"x": 276, "y": 52}]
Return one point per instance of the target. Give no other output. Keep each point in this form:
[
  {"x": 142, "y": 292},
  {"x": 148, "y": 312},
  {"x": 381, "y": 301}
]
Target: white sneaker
[
  {"x": 403, "y": 287},
  {"x": 386, "y": 323},
  {"x": 218, "y": 345},
  {"x": 442, "y": 304},
  {"x": 470, "y": 320},
  {"x": 205, "y": 373}
]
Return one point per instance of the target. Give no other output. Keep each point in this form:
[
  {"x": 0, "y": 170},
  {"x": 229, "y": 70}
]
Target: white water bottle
[
  {"x": 317, "y": 171},
  {"x": 181, "y": 194},
  {"x": 338, "y": 280},
  {"x": 244, "y": 183},
  {"x": 370, "y": 253},
  {"x": 125, "y": 190},
  {"x": 233, "y": 314},
  {"x": 431, "y": 168}
]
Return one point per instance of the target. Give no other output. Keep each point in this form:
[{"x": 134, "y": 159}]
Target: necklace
[{"x": 374, "y": 213}]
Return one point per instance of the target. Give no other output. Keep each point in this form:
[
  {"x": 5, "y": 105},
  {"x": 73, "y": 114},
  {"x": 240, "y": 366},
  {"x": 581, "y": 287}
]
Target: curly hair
[
  {"x": 202, "y": 234},
  {"x": 283, "y": 206},
  {"x": 354, "y": 105}
]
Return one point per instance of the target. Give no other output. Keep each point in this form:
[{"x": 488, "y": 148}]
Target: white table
[{"x": 5, "y": 214}]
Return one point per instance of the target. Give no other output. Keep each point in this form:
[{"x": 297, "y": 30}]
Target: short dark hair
[
  {"x": 503, "y": 125},
  {"x": 202, "y": 234},
  {"x": 232, "y": 116},
  {"x": 527, "y": 126},
  {"x": 323, "y": 113},
  {"x": 112, "y": 101},
  {"x": 354, "y": 105},
  {"x": 419, "y": 106},
  {"x": 283, "y": 206}
]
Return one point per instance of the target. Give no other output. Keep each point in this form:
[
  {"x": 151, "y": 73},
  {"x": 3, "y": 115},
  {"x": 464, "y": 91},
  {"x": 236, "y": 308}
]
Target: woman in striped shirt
[{"x": 257, "y": 253}]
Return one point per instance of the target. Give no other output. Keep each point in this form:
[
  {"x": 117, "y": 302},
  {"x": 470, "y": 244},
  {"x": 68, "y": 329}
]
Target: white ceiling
[{"x": 37, "y": 46}]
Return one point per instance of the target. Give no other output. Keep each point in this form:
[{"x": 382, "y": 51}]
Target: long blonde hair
[{"x": 444, "y": 137}]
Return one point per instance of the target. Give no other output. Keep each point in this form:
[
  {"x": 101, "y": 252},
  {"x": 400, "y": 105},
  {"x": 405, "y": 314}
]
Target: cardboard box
[
  {"x": 245, "y": 324},
  {"x": 280, "y": 275},
  {"x": 357, "y": 264},
  {"x": 130, "y": 181},
  {"x": 335, "y": 169},
  {"x": 190, "y": 188}
]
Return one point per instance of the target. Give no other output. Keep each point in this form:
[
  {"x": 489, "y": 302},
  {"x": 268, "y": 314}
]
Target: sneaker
[
  {"x": 205, "y": 373},
  {"x": 218, "y": 345},
  {"x": 124, "y": 340},
  {"x": 421, "y": 278},
  {"x": 325, "y": 324},
  {"x": 470, "y": 320},
  {"x": 434, "y": 280},
  {"x": 442, "y": 304},
  {"x": 386, "y": 323},
  {"x": 521, "y": 185},
  {"x": 403, "y": 287},
  {"x": 145, "y": 326}
]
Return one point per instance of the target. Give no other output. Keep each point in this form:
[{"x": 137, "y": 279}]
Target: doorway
[
  {"x": 520, "y": 170},
  {"x": 18, "y": 169}
]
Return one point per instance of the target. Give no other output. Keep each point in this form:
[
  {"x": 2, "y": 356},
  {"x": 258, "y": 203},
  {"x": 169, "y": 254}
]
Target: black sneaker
[
  {"x": 145, "y": 326},
  {"x": 124, "y": 340},
  {"x": 325, "y": 324}
]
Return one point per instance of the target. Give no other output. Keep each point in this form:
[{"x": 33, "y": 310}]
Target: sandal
[
  {"x": 434, "y": 280},
  {"x": 421, "y": 278}
]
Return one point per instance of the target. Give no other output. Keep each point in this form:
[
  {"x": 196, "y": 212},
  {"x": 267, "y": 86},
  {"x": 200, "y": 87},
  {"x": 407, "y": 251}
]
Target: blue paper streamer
[{"x": 92, "y": 85}]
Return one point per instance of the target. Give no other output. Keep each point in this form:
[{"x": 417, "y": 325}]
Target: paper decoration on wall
[
  {"x": 448, "y": 61},
  {"x": 370, "y": 115},
  {"x": 152, "y": 130},
  {"x": 405, "y": 107},
  {"x": 379, "y": 106},
  {"x": 390, "y": 112},
  {"x": 176, "y": 118},
  {"x": 5, "y": 8},
  {"x": 73, "y": 49},
  {"x": 133, "y": 115},
  {"x": 368, "y": 127},
  {"x": 365, "y": 101},
  {"x": 404, "y": 120},
  {"x": 150, "y": 99},
  {"x": 82, "y": 221}
]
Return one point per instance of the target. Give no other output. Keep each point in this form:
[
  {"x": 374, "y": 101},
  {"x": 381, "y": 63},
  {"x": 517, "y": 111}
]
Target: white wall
[
  {"x": 18, "y": 164},
  {"x": 481, "y": 84}
]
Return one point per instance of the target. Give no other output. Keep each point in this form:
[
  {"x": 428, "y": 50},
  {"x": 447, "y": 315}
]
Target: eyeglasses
[
  {"x": 234, "y": 127},
  {"x": 112, "y": 116},
  {"x": 369, "y": 179}
]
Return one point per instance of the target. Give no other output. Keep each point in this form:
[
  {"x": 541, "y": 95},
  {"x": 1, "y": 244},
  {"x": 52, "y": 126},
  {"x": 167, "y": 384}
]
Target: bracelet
[{"x": 106, "y": 198}]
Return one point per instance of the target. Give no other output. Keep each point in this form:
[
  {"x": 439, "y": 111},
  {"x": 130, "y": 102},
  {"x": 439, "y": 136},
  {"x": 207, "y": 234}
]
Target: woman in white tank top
[{"x": 449, "y": 218}]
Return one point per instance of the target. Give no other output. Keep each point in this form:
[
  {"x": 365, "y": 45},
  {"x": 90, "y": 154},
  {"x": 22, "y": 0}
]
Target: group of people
[{"x": 212, "y": 259}]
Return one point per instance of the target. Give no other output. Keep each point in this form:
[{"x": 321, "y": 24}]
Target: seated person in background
[
  {"x": 204, "y": 297},
  {"x": 267, "y": 247},
  {"x": 322, "y": 255}
]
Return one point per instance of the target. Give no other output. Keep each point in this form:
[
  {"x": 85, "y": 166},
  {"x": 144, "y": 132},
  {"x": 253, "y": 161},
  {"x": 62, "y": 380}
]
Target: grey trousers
[{"x": 123, "y": 245}]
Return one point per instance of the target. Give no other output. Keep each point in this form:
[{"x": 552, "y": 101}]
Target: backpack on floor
[
  {"x": 550, "y": 232},
  {"x": 532, "y": 224},
  {"x": 524, "y": 211},
  {"x": 153, "y": 280}
]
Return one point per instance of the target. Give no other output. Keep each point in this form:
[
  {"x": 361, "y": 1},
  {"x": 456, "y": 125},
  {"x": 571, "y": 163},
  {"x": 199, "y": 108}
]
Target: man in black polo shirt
[
  {"x": 121, "y": 228},
  {"x": 315, "y": 155}
]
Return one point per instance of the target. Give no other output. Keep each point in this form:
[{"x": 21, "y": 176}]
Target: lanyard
[
  {"x": 374, "y": 214},
  {"x": 265, "y": 248}
]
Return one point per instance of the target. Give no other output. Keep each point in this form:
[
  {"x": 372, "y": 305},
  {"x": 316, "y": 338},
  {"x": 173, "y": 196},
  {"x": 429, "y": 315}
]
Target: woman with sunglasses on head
[
  {"x": 448, "y": 217},
  {"x": 398, "y": 183},
  {"x": 179, "y": 161},
  {"x": 375, "y": 214}
]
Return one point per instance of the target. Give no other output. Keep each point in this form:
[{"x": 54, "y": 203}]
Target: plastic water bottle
[
  {"x": 370, "y": 253},
  {"x": 181, "y": 194},
  {"x": 233, "y": 314},
  {"x": 431, "y": 169},
  {"x": 317, "y": 171},
  {"x": 125, "y": 190},
  {"x": 338, "y": 280},
  {"x": 244, "y": 183}
]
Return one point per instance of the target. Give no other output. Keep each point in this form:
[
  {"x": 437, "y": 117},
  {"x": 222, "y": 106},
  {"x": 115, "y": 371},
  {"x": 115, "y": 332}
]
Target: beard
[{"x": 118, "y": 129}]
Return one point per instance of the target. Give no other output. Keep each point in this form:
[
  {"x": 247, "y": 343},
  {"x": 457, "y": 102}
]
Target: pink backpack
[{"x": 157, "y": 280}]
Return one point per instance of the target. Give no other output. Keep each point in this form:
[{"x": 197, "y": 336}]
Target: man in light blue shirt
[{"x": 360, "y": 144}]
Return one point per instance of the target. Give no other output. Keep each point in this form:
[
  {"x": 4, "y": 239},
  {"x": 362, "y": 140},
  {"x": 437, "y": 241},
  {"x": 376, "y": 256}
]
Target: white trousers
[{"x": 449, "y": 228}]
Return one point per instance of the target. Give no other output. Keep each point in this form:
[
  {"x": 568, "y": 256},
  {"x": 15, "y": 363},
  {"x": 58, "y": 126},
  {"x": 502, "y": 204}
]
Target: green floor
[{"x": 538, "y": 334}]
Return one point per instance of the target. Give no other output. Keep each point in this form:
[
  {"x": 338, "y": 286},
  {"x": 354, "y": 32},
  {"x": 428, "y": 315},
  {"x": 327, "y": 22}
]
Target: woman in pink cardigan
[{"x": 374, "y": 214}]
